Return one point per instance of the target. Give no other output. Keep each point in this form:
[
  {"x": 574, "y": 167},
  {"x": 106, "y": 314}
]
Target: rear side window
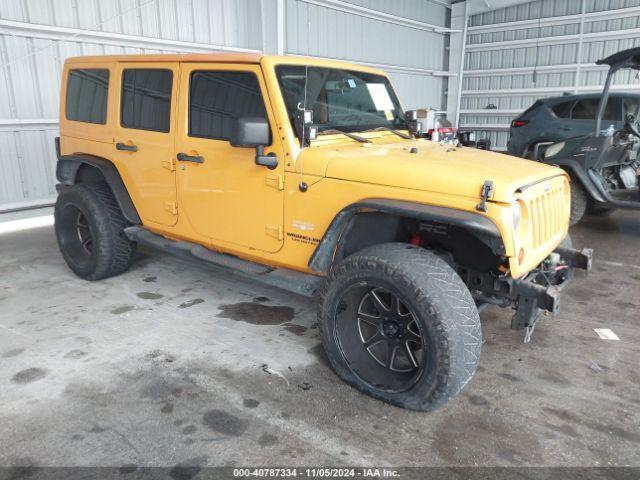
[
  {"x": 563, "y": 110},
  {"x": 86, "y": 97},
  {"x": 217, "y": 99},
  {"x": 587, "y": 109},
  {"x": 146, "y": 99}
]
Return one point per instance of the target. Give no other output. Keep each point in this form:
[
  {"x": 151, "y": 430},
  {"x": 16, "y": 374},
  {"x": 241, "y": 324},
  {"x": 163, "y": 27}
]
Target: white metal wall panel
[
  {"x": 560, "y": 38},
  {"x": 319, "y": 30},
  {"x": 414, "y": 9},
  {"x": 218, "y": 22},
  {"x": 418, "y": 90},
  {"x": 36, "y": 36}
]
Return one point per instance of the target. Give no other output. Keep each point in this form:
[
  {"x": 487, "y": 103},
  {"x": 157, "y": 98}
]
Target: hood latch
[{"x": 485, "y": 194}]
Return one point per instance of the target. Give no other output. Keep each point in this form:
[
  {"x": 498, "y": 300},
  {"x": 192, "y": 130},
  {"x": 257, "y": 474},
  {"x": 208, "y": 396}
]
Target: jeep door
[
  {"x": 223, "y": 193},
  {"x": 144, "y": 140}
]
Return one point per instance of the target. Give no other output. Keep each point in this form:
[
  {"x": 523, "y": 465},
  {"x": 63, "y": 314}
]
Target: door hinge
[
  {"x": 171, "y": 207},
  {"x": 169, "y": 164},
  {"x": 274, "y": 231},
  {"x": 275, "y": 180}
]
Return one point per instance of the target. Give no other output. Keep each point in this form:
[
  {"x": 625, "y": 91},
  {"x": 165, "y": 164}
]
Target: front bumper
[
  {"x": 532, "y": 297},
  {"x": 537, "y": 292}
]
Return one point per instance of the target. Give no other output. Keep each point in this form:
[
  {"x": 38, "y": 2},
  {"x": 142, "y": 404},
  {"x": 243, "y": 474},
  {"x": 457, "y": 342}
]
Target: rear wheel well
[
  {"x": 89, "y": 174},
  {"x": 528, "y": 151},
  {"x": 457, "y": 245},
  {"x": 80, "y": 168}
]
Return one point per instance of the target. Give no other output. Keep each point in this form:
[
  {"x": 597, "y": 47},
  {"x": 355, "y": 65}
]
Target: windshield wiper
[
  {"x": 350, "y": 135},
  {"x": 387, "y": 129}
]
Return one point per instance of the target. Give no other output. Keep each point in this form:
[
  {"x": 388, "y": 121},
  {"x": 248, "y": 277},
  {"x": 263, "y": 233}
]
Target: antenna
[
  {"x": 535, "y": 67},
  {"x": 302, "y": 185}
]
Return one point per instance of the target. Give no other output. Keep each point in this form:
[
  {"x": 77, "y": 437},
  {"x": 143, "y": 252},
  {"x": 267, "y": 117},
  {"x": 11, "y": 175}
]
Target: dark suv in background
[{"x": 552, "y": 120}]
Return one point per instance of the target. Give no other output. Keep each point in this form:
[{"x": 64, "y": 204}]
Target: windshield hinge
[{"x": 485, "y": 194}]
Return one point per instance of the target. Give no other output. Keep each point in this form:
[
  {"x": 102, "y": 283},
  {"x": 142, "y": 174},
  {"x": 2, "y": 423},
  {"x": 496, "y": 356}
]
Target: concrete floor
[{"x": 175, "y": 363}]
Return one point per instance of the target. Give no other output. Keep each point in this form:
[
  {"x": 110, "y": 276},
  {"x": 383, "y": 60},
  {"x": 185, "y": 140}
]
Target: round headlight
[
  {"x": 516, "y": 214},
  {"x": 554, "y": 149}
]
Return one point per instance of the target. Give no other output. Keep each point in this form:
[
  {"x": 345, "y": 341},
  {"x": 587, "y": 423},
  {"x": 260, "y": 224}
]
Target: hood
[{"x": 436, "y": 168}]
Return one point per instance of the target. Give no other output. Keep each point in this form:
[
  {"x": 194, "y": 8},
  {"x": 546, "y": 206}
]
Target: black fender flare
[
  {"x": 578, "y": 172},
  {"x": 481, "y": 226},
  {"x": 67, "y": 171}
]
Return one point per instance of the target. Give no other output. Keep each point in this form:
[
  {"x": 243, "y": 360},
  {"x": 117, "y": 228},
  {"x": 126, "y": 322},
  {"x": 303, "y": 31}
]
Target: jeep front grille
[{"x": 548, "y": 215}]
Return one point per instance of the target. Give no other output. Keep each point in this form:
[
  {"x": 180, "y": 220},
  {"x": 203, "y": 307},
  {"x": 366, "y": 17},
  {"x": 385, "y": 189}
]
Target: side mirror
[
  {"x": 250, "y": 132},
  {"x": 253, "y": 132}
]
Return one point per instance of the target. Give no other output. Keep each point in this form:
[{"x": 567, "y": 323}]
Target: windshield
[{"x": 345, "y": 100}]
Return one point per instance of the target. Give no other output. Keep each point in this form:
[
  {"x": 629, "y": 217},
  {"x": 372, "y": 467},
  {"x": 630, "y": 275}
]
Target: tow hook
[
  {"x": 528, "y": 331},
  {"x": 485, "y": 194},
  {"x": 531, "y": 326},
  {"x": 533, "y": 301}
]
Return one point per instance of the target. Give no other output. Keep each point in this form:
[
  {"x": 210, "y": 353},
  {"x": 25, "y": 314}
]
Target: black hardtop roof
[{"x": 626, "y": 59}]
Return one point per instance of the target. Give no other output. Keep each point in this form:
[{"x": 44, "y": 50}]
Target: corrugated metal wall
[
  {"x": 37, "y": 35},
  {"x": 408, "y": 53},
  {"x": 562, "y": 37}
]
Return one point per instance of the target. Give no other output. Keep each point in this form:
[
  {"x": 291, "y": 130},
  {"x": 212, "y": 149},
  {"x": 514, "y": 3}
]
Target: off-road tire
[
  {"x": 111, "y": 251},
  {"x": 579, "y": 201},
  {"x": 439, "y": 299}
]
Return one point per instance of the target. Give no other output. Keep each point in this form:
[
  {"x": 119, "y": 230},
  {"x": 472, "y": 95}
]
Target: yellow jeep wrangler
[{"x": 304, "y": 174}]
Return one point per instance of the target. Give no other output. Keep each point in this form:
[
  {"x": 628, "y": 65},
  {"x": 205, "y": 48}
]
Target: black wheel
[
  {"x": 399, "y": 324},
  {"x": 579, "y": 200},
  {"x": 89, "y": 227}
]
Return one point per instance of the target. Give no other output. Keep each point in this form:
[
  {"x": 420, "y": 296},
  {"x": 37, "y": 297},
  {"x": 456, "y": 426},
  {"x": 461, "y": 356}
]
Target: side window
[
  {"x": 587, "y": 109},
  {"x": 217, "y": 99},
  {"x": 146, "y": 99},
  {"x": 86, "y": 97},
  {"x": 562, "y": 110}
]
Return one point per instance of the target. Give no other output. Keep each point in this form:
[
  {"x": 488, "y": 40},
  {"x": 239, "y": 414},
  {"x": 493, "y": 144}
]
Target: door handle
[
  {"x": 183, "y": 157},
  {"x": 128, "y": 148}
]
